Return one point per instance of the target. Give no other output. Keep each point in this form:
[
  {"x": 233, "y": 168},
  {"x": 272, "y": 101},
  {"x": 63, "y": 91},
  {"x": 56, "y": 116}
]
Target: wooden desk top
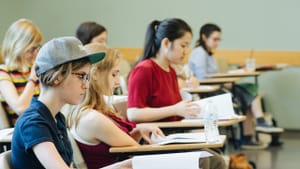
[
  {"x": 203, "y": 89},
  {"x": 196, "y": 123},
  {"x": 169, "y": 147},
  {"x": 234, "y": 74},
  {"x": 219, "y": 80}
]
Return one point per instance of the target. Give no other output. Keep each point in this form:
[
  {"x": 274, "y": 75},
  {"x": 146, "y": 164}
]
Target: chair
[
  {"x": 4, "y": 123},
  {"x": 120, "y": 105},
  {"x": 78, "y": 160},
  {"x": 5, "y": 133},
  {"x": 5, "y": 160}
]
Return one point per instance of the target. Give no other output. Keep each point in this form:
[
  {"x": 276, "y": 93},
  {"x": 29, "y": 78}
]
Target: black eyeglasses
[{"x": 82, "y": 76}]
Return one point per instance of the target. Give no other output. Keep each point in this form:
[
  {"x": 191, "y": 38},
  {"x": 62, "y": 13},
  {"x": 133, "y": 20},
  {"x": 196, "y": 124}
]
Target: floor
[{"x": 283, "y": 157}]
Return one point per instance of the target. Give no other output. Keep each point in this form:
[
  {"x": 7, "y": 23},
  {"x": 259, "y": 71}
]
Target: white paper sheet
[
  {"x": 223, "y": 105},
  {"x": 188, "y": 160},
  {"x": 201, "y": 87},
  {"x": 197, "y": 137}
]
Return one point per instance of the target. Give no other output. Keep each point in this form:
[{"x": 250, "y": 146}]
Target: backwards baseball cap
[{"x": 63, "y": 50}]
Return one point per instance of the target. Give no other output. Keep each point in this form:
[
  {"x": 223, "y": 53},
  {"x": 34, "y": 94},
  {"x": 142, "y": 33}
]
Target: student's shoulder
[
  {"x": 93, "y": 116},
  {"x": 94, "y": 119},
  {"x": 198, "y": 51},
  {"x": 31, "y": 118},
  {"x": 145, "y": 64},
  {"x": 144, "y": 67}
]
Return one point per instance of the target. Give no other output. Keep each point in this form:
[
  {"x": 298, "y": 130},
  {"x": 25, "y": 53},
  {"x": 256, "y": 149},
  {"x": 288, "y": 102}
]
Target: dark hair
[
  {"x": 206, "y": 30},
  {"x": 172, "y": 29},
  {"x": 88, "y": 30}
]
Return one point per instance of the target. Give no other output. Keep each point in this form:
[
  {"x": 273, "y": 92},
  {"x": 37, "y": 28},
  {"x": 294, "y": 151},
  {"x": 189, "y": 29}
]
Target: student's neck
[
  {"x": 162, "y": 62},
  {"x": 53, "y": 103}
]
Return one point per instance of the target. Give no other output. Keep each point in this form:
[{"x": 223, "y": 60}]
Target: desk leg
[
  {"x": 256, "y": 80},
  {"x": 5, "y": 147}
]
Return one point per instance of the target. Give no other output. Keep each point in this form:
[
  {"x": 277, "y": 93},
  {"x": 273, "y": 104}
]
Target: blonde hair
[
  {"x": 20, "y": 37},
  {"x": 99, "y": 85}
]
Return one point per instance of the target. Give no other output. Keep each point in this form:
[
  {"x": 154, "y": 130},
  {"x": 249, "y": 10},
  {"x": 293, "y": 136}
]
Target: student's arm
[
  {"x": 49, "y": 156},
  {"x": 19, "y": 103},
  {"x": 194, "y": 83},
  {"x": 97, "y": 126},
  {"x": 184, "y": 108}
]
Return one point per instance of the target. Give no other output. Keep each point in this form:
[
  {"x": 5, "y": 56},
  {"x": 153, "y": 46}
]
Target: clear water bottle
[{"x": 211, "y": 123}]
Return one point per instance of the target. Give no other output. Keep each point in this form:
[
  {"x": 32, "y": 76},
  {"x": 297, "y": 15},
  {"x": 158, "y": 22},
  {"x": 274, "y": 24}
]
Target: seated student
[
  {"x": 186, "y": 79},
  {"x": 95, "y": 125},
  {"x": 62, "y": 66},
  {"x": 18, "y": 82},
  {"x": 201, "y": 62},
  {"x": 153, "y": 92},
  {"x": 92, "y": 32}
]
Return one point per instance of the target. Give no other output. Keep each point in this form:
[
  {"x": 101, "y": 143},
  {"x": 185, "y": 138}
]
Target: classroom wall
[{"x": 256, "y": 24}]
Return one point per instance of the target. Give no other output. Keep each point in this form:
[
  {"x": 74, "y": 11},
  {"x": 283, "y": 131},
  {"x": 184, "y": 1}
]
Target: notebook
[{"x": 223, "y": 106}]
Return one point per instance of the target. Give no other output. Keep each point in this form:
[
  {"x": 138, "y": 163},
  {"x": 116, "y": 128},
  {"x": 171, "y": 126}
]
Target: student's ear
[
  {"x": 58, "y": 80},
  {"x": 165, "y": 44},
  {"x": 203, "y": 37}
]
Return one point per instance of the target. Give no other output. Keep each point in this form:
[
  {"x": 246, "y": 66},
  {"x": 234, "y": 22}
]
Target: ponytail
[{"x": 151, "y": 45}]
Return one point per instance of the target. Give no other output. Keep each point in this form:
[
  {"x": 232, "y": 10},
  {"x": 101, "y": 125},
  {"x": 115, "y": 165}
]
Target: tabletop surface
[
  {"x": 219, "y": 80},
  {"x": 234, "y": 74},
  {"x": 197, "y": 123},
  {"x": 168, "y": 147},
  {"x": 203, "y": 89}
]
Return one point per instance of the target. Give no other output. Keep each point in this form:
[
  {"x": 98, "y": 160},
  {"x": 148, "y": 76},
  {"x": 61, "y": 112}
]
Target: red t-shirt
[{"x": 151, "y": 86}]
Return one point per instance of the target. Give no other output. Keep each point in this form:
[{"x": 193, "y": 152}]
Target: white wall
[{"x": 255, "y": 24}]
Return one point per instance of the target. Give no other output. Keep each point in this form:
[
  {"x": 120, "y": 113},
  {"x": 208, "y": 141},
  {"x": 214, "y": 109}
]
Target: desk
[
  {"x": 219, "y": 80},
  {"x": 236, "y": 74},
  {"x": 167, "y": 148},
  {"x": 196, "y": 123},
  {"x": 5, "y": 139},
  {"x": 202, "y": 89}
]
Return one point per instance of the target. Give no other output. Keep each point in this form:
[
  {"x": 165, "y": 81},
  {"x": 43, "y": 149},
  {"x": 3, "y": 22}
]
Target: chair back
[
  {"x": 78, "y": 160},
  {"x": 5, "y": 160},
  {"x": 121, "y": 106},
  {"x": 4, "y": 123}
]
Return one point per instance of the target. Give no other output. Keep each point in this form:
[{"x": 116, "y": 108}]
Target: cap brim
[{"x": 96, "y": 57}]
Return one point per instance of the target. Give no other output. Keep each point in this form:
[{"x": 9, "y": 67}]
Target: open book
[
  {"x": 188, "y": 160},
  {"x": 180, "y": 138},
  {"x": 223, "y": 106}
]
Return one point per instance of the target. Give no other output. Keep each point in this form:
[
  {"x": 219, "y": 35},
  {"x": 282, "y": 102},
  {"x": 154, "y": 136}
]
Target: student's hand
[
  {"x": 146, "y": 130},
  {"x": 187, "y": 109},
  {"x": 33, "y": 74},
  {"x": 195, "y": 82},
  {"x": 228, "y": 86}
]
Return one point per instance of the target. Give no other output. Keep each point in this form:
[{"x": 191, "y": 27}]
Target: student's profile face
[
  {"x": 73, "y": 88},
  {"x": 212, "y": 42},
  {"x": 114, "y": 77},
  {"x": 31, "y": 54},
  {"x": 179, "y": 48},
  {"x": 101, "y": 38}
]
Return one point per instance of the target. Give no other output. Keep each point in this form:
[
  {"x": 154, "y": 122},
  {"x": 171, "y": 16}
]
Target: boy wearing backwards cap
[{"x": 40, "y": 138}]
